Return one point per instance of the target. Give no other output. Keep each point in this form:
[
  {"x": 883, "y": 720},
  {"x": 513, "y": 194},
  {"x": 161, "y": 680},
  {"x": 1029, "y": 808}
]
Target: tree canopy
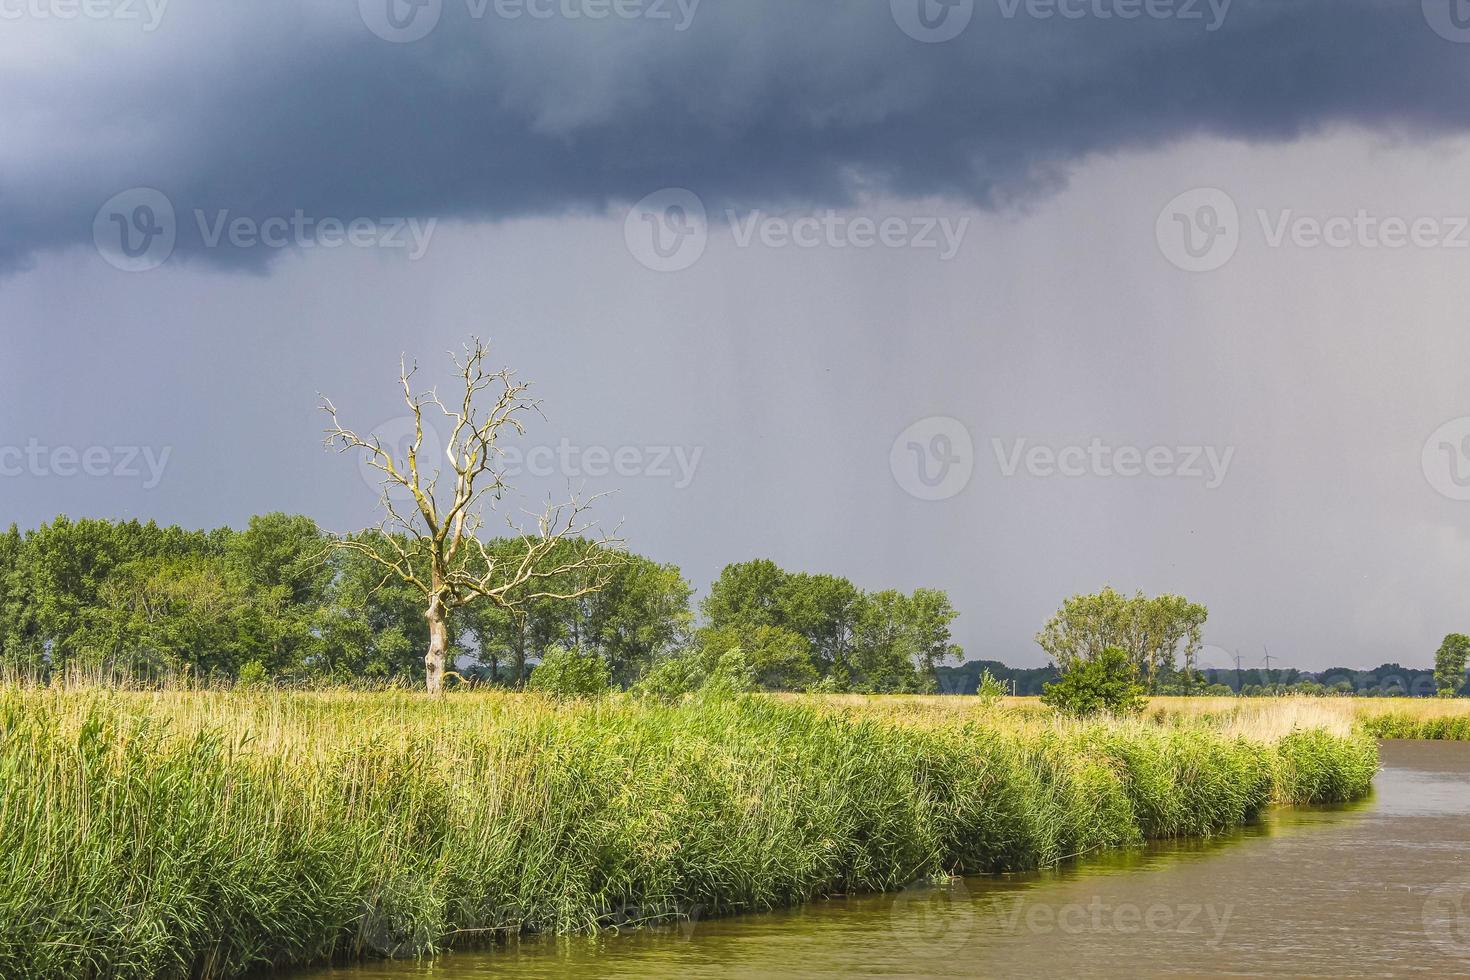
[
  {"x": 849, "y": 640},
  {"x": 1449, "y": 664},
  {"x": 276, "y": 602},
  {"x": 1156, "y": 634}
]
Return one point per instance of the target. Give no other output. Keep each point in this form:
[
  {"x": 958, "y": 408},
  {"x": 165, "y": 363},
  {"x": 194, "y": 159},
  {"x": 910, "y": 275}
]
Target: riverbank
[
  {"x": 204, "y": 834},
  {"x": 1290, "y": 885}
]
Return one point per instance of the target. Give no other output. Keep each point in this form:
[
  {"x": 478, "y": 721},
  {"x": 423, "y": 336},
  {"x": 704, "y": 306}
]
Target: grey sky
[{"x": 782, "y": 373}]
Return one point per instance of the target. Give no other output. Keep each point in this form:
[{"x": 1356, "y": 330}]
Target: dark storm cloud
[{"x": 265, "y": 110}]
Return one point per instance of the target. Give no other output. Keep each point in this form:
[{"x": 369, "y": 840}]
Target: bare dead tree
[{"x": 435, "y": 545}]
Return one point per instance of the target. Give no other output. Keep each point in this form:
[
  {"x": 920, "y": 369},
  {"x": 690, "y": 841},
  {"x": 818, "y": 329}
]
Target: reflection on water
[{"x": 1374, "y": 889}]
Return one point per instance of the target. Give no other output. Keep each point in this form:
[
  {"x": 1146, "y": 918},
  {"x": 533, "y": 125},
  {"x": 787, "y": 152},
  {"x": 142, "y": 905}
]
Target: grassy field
[
  {"x": 1412, "y": 718},
  {"x": 177, "y": 834},
  {"x": 1261, "y": 718}
]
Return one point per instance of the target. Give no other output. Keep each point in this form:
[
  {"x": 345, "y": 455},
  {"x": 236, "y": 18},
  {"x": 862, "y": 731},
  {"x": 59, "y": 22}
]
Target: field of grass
[
  {"x": 1412, "y": 718},
  {"x": 176, "y": 834},
  {"x": 1260, "y": 718}
]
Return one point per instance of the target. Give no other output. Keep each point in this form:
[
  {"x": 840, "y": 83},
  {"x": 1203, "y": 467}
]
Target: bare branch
[{"x": 437, "y": 549}]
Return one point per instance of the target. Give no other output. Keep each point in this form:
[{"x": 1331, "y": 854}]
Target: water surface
[{"x": 1374, "y": 889}]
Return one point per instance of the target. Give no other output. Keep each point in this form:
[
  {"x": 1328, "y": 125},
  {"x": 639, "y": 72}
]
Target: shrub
[
  {"x": 777, "y": 659},
  {"x": 670, "y": 679},
  {"x": 989, "y": 690},
  {"x": 571, "y": 674},
  {"x": 252, "y": 674},
  {"x": 1108, "y": 682}
]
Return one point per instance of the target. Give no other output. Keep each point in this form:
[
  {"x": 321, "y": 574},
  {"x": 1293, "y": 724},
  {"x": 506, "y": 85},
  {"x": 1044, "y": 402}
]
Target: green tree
[
  {"x": 284, "y": 551},
  {"x": 746, "y": 594},
  {"x": 1154, "y": 633},
  {"x": 493, "y": 631},
  {"x": 882, "y": 641},
  {"x": 1107, "y": 681},
  {"x": 930, "y": 616},
  {"x": 1449, "y": 664},
  {"x": 371, "y": 625},
  {"x": 885, "y": 646},
  {"x": 66, "y": 565},
  {"x": 20, "y": 650},
  {"x": 170, "y": 614},
  {"x": 825, "y": 610},
  {"x": 641, "y": 612}
]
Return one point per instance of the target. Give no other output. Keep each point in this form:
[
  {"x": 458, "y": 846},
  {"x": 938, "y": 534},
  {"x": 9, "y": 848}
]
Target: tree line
[
  {"x": 282, "y": 600},
  {"x": 1390, "y": 680}
]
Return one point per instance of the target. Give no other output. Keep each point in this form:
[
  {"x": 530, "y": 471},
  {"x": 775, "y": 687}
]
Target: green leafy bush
[
  {"x": 989, "y": 690},
  {"x": 571, "y": 674},
  {"x": 670, "y": 679},
  {"x": 252, "y": 674},
  {"x": 1106, "y": 683}
]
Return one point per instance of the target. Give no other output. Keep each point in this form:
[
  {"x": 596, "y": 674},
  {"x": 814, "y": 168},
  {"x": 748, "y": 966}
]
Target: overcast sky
[{"x": 1012, "y": 299}]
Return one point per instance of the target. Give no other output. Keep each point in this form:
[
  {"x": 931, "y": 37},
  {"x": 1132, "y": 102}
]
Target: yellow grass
[{"x": 1260, "y": 719}]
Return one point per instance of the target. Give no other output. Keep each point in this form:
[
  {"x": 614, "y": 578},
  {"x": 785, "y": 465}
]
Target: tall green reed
[{"x": 205, "y": 834}]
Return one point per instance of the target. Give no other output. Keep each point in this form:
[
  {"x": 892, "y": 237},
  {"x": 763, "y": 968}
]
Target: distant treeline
[
  {"x": 1027, "y": 681},
  {"x": 1389, "y": 680},
  {"x": 277, "y": 602}
]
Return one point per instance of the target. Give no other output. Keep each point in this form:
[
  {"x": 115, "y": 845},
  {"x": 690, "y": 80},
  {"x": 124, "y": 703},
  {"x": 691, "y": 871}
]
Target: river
[{"x": 1372, "y": 889}]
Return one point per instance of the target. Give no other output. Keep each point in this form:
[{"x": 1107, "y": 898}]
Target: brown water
[{"x": 1374, "y": 889}]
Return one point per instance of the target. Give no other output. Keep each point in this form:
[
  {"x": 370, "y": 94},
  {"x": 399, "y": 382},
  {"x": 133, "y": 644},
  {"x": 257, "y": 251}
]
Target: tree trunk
[{"x": 438, "y": 646}]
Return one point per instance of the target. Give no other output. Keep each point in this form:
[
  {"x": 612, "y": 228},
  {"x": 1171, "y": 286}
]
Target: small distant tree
[
  {"x": 989, "y": 690},
  {"x": 252, "y": 675},
  {"x": 1449, "y": 664},
  {"x": 434, "y": 546},
  {"x": 1106, "y": 682}
]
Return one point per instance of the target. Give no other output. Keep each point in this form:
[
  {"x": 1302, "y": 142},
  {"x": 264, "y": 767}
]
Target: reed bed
[{"x": 208, "y": 834}]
